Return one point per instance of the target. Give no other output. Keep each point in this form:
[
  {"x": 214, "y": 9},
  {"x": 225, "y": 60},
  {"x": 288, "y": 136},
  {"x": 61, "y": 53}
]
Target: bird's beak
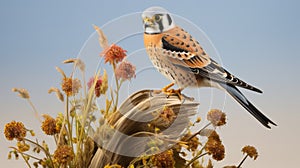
[{"x": 148, "y": 22}]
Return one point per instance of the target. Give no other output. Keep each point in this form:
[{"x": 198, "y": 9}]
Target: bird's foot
[{"x": 170, "y": 92}]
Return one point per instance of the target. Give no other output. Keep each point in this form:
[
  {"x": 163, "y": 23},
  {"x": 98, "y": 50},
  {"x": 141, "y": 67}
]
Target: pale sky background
[{"x": 256, "y": 40}]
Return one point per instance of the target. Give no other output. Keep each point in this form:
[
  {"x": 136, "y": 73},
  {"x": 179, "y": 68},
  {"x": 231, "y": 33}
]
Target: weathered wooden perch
[{"x": 139, "y": 123}]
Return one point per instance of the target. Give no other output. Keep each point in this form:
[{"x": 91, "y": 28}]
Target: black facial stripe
[
  {"x": 169, "y": 19},
  {"x": 160, "y": 25}
]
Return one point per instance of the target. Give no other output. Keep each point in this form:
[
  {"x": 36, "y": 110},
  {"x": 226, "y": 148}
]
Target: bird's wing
[
  {"x": 181, "y": 46},
  {"x": 184, "y": 51}
]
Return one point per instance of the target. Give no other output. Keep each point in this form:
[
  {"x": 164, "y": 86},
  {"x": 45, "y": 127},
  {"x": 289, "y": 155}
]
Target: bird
[{"x": 179, "y": 57}]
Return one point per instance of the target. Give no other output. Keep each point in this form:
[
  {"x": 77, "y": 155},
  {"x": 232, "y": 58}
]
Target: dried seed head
[
  {"x": 63, "y": 154},
  {"x": 163, "y": 117},
  {"x": 70, "y": 86},
  {"x": 23, "y": 93},
  {"x": 104, "y": 85},
  {"x": 198, "y": 120},
  {"x": 216, "y": 117},
  {"x": 77, "y": 63},
  {"x": 59, "y": 95},
  {"x": 164, "y": 159},
  {"x": 102, "y": 38},
  {"x": 215, "y": 147},
  {"x": 125, "y": 70},
  {"x": 22, "y": 146},
  {"x": 61, "y": 72},
  {"x": 15, "y": 130},
  {"x": 250, "y": 151},
  {"x": 49, "y": 125}
]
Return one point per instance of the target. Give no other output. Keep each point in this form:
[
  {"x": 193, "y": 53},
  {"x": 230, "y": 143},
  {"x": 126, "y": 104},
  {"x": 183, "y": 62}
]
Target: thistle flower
[
  {"x": 164, "y": 159},
  {"x": 15, "y": 130},
  {"x": 23, "y": 93},
  {"x": 215, "y": 147},
  {"x": 125, "y": 70},
  {"x": 113, "y": 54},
  {"x": 70, "y": 86},
  {"x": 49, "y": 125},
  {"x": 216, "y": 117},
  {"x": 63, "y": 154},
  {"x": 97, "y": 86},
  {"x": 250, "y": 151}
]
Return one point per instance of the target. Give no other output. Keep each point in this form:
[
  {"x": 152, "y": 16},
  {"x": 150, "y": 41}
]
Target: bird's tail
[{"x": 239, "y": 97}]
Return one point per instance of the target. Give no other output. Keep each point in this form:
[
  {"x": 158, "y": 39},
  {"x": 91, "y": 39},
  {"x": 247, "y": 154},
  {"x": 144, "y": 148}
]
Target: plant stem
[
  {"x": 86, "y": 109},
  {"x": 117, "y": 86},
  {"x": 194, "y": 159},
  {"x": 84, "y": 83},
  {"x": 33, "y": 157},
  {"x": 198, "y": 132},
  {"x": 242, "y": 161},
  {"x": 55, "y": 139},
  {"x": 26, "y": 161},
  {"x": 22, "y": 154},
  {"x": 34, "y": 110},
  {"x": 69, "y": 124},
  {"x": 45, "y": 151}
]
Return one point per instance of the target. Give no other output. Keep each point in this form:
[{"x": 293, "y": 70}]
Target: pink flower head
[
  {"x": 125, "y": 70},
  {"x": 97, "y": 86}
]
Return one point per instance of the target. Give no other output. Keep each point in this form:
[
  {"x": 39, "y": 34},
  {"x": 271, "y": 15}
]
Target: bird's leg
[
  {"x": 170, "y": 92},
  {"x": 166, "y": 88}
]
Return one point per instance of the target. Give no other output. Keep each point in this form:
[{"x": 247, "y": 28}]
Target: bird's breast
[{"x": 182, "y": 77}]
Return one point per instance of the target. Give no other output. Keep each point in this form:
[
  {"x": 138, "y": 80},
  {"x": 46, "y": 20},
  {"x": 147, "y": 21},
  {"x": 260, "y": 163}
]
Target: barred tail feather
[{"x": 239, "y": 97}]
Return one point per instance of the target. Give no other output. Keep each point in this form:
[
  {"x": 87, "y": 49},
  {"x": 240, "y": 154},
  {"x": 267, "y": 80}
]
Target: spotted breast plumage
[{"x": 180, "y": 57}]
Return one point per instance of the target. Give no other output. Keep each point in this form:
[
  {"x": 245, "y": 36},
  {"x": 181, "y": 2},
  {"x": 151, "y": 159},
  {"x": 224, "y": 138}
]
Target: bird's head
[{"x": 157, "y": 20}]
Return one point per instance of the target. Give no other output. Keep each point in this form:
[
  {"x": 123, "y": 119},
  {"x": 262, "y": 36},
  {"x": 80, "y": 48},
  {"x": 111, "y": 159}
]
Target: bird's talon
[{"x": 171, "y": 92}]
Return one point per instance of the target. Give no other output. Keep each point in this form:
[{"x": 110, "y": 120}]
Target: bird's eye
[{"x": 157, "y": 18}]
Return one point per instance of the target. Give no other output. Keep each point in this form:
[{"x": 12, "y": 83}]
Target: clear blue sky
[{"x": 257, "y": 40}]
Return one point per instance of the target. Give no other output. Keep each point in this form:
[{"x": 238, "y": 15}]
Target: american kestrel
[{"x": 179, "y": 57}]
